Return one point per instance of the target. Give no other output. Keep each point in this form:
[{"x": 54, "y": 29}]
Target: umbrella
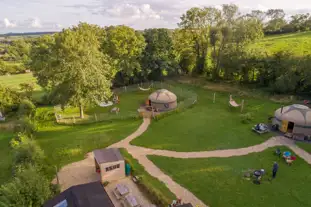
[{"x": 287, "y": 154}]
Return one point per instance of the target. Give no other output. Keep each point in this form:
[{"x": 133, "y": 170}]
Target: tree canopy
[{"x": 72, "y": 67}]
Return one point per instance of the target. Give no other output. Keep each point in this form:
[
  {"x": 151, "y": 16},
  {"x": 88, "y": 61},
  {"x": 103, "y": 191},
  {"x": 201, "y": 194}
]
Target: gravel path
[{"x": 140, "y": 153}]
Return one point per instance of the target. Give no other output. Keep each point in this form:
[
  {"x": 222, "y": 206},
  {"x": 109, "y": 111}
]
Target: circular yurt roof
[
  {"x": 162, "y": 96},
  {"x": 299, "y": 114}
]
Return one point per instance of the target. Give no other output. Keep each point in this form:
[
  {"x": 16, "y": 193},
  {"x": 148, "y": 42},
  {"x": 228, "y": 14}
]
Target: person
[
  {"x": 275, "y": 169},
  {"x": 278, "y": 152}
]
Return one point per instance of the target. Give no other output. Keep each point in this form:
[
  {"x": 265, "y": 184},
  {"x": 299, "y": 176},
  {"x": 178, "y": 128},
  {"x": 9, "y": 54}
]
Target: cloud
[
  {"x": 35, "y": 23},
  {"x": 8, "y": 23},
  {"x": 143, "y": 11}
]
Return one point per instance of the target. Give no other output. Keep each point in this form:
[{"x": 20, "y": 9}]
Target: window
[
  {"x": 112, "y": 167},
  {"x": 62, "y": 204}
]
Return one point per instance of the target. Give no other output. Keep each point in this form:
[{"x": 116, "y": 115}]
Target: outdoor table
[
  {"x": 131, "y": 200},
  {"x": 122, "y": 189}
]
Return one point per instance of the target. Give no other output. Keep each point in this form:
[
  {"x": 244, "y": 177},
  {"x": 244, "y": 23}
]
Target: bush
[
  {"x": 26, "y": 108},
  {"x": 26, "y": 151},
  {"x": 25, "y": 125},
  {"x": 28, "y": 188},
  {"x": 246, "y": 118}
]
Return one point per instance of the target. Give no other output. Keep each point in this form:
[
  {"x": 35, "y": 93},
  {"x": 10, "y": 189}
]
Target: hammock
[
  {"x": 233, "y": 103},
  {"x": 106, "y": 104},
  {"x": 144, "y": 89}
]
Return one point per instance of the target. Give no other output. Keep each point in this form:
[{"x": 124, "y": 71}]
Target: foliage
[
  {"x": 26, "y": 151},
  {"x": 247, "y": 118},
  {"x": 72, "y": 67},
  {"x": 158, "y": 58},
  {"x": 19, "y": 50},
  {"x": 125, "y": 46},
  {"x": 27, "y": 89},
  {"x": 27, "y": 188},
  {"x": 25, "y": 125},
  {"x": 157, "y": 192},
  {"x": 9, "y": 99},
  {"x": 26, "y": 109}
]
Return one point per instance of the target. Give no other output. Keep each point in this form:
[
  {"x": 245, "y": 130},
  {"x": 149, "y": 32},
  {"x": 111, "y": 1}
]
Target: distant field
[
  {"x": 13, "y": 81},
  {"x": 298, "y": 43}
]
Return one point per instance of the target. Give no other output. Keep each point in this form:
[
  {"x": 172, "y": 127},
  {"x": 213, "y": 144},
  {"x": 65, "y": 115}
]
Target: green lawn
[
  {"x": 219, "y": 182},
  {"x": 297, "y": 43},
  {"x": 305, "y": 146},
  {"x": 157, "y": 188},
  {"x": 65, "y": 144},
  {"x": 13, "y": 81},
  {"x": 129, "y": 103},
  {"x": 208, "y": 126},
  {"x": 6, "y": 156}
]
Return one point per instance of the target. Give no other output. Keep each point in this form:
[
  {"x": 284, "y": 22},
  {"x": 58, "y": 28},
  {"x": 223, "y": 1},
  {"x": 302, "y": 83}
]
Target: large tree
[
  {"x": 125, "y": 46},
  {"x": 72, "y": 67},
  {"x": 158, "y": 57}
]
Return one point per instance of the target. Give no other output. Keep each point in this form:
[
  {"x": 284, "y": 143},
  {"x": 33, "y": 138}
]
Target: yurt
[
  {"x": 294, "y": 119},
  {"x": 163, "y": 100}
]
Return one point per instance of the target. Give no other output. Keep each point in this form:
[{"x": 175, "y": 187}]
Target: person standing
[{"x": 275, "y": 169}]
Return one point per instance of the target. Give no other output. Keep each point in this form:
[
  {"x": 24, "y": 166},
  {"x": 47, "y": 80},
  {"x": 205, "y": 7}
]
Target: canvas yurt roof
[
  {"x": 162, "y": 96},
  {"x": 299, "y": 114}
]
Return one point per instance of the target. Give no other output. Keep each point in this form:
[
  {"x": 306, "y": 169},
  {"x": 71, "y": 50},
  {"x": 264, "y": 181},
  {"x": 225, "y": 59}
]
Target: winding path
[{"x": 140, "y": 153}]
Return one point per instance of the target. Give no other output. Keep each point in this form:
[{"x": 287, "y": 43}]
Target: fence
[{"x": 186, "y": 99}]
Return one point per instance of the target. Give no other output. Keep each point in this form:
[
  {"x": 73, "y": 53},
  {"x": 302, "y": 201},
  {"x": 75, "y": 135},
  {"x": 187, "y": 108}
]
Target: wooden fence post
[
  {"x": 95, "y": 117},
  {"x": 242, "y": 106},
  {"x": 214, "y": 99}
]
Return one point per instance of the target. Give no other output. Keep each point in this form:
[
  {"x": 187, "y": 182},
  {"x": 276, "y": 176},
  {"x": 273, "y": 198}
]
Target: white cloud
[
  {"x": 8, "y": 23},
  {"x": 143, "y": 11},
  {"x": 35, "y": 23}
]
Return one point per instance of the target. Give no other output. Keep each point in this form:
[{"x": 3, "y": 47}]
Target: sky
[{"x": 53, "y": 15}]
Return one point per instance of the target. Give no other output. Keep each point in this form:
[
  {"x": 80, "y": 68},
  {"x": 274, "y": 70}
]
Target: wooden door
[{"x": 284, "y": 126}]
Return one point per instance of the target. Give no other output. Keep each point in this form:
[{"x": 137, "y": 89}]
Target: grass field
[
  {"x": 152, "y": 184},
  {"x": 305, "y": 146},
  {"x": 13, "y": 81},
  {"x": 208, "y": 126},
  {"x": 6, "y": 156},
  {"x": 297, "y": 43},
  {"x": 219, "y": 181}
]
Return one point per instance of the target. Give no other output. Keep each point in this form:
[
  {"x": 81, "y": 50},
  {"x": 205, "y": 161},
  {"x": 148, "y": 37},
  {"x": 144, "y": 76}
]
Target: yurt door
[{"x": 284, "y": 126}]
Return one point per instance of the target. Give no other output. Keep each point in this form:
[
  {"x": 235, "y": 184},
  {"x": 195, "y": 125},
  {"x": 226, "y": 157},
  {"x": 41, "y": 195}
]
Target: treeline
[{"x": 209, "y": 42}]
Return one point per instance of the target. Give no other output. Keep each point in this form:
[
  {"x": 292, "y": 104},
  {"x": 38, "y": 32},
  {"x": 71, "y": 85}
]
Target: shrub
[
  {"x": 246, "y": 118},
  {"x": 26, "y": 151},
  {"x": 27, "y": 188},
  {"x": 25, "y": 125},
  {"x": 26, "y": 108}
]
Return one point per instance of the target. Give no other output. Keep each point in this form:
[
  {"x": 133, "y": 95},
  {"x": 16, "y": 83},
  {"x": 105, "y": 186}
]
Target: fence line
[{"x": 187, "y": 99}]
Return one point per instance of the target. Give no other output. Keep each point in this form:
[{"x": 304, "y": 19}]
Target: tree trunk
[{"x": 81, "y": 111}]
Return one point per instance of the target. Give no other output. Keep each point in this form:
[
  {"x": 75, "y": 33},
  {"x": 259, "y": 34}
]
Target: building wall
[
  {"x": 114, "y": 174},
  {"x": 297, "y": 129},
  {"x": 161, "y": 106}
]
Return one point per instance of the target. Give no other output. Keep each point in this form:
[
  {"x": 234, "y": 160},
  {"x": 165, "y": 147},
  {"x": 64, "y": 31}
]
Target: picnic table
[
  {"x": 131, "y": 201},
  {"x": 120, "y": 191}
]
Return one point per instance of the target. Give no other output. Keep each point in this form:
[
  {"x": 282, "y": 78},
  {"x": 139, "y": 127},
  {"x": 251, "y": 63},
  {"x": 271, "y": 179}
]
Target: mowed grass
[
  {"x": 129, "y": 103},
  {"x": 219, "y": 182},
  {"x": 297, "y": 43},
  {"x": 305, "y": 145},
  {"x": 209, "y": 126},
  {"x": 6, "y": 156},
  {"x": 14, "y": 81},
  {"x": 65, "y": 144}
]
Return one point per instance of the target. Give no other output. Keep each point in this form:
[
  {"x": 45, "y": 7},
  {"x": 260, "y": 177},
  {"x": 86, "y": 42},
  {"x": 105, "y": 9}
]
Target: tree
[
  {"x": 125, "y": 46},
  {"x": 158, "y": 57},
  {"x": 19, "y": 50},
  {"x": 9, "y": 99},
  {"x": 276, "y": 20},
  {"x": 198, "y": 21},
  {"x": 72, "y": 67},
  {"x": 300, "y": 22},
  {"x": 27, "y": 188},
  {"x": 184, "y": 50}
]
